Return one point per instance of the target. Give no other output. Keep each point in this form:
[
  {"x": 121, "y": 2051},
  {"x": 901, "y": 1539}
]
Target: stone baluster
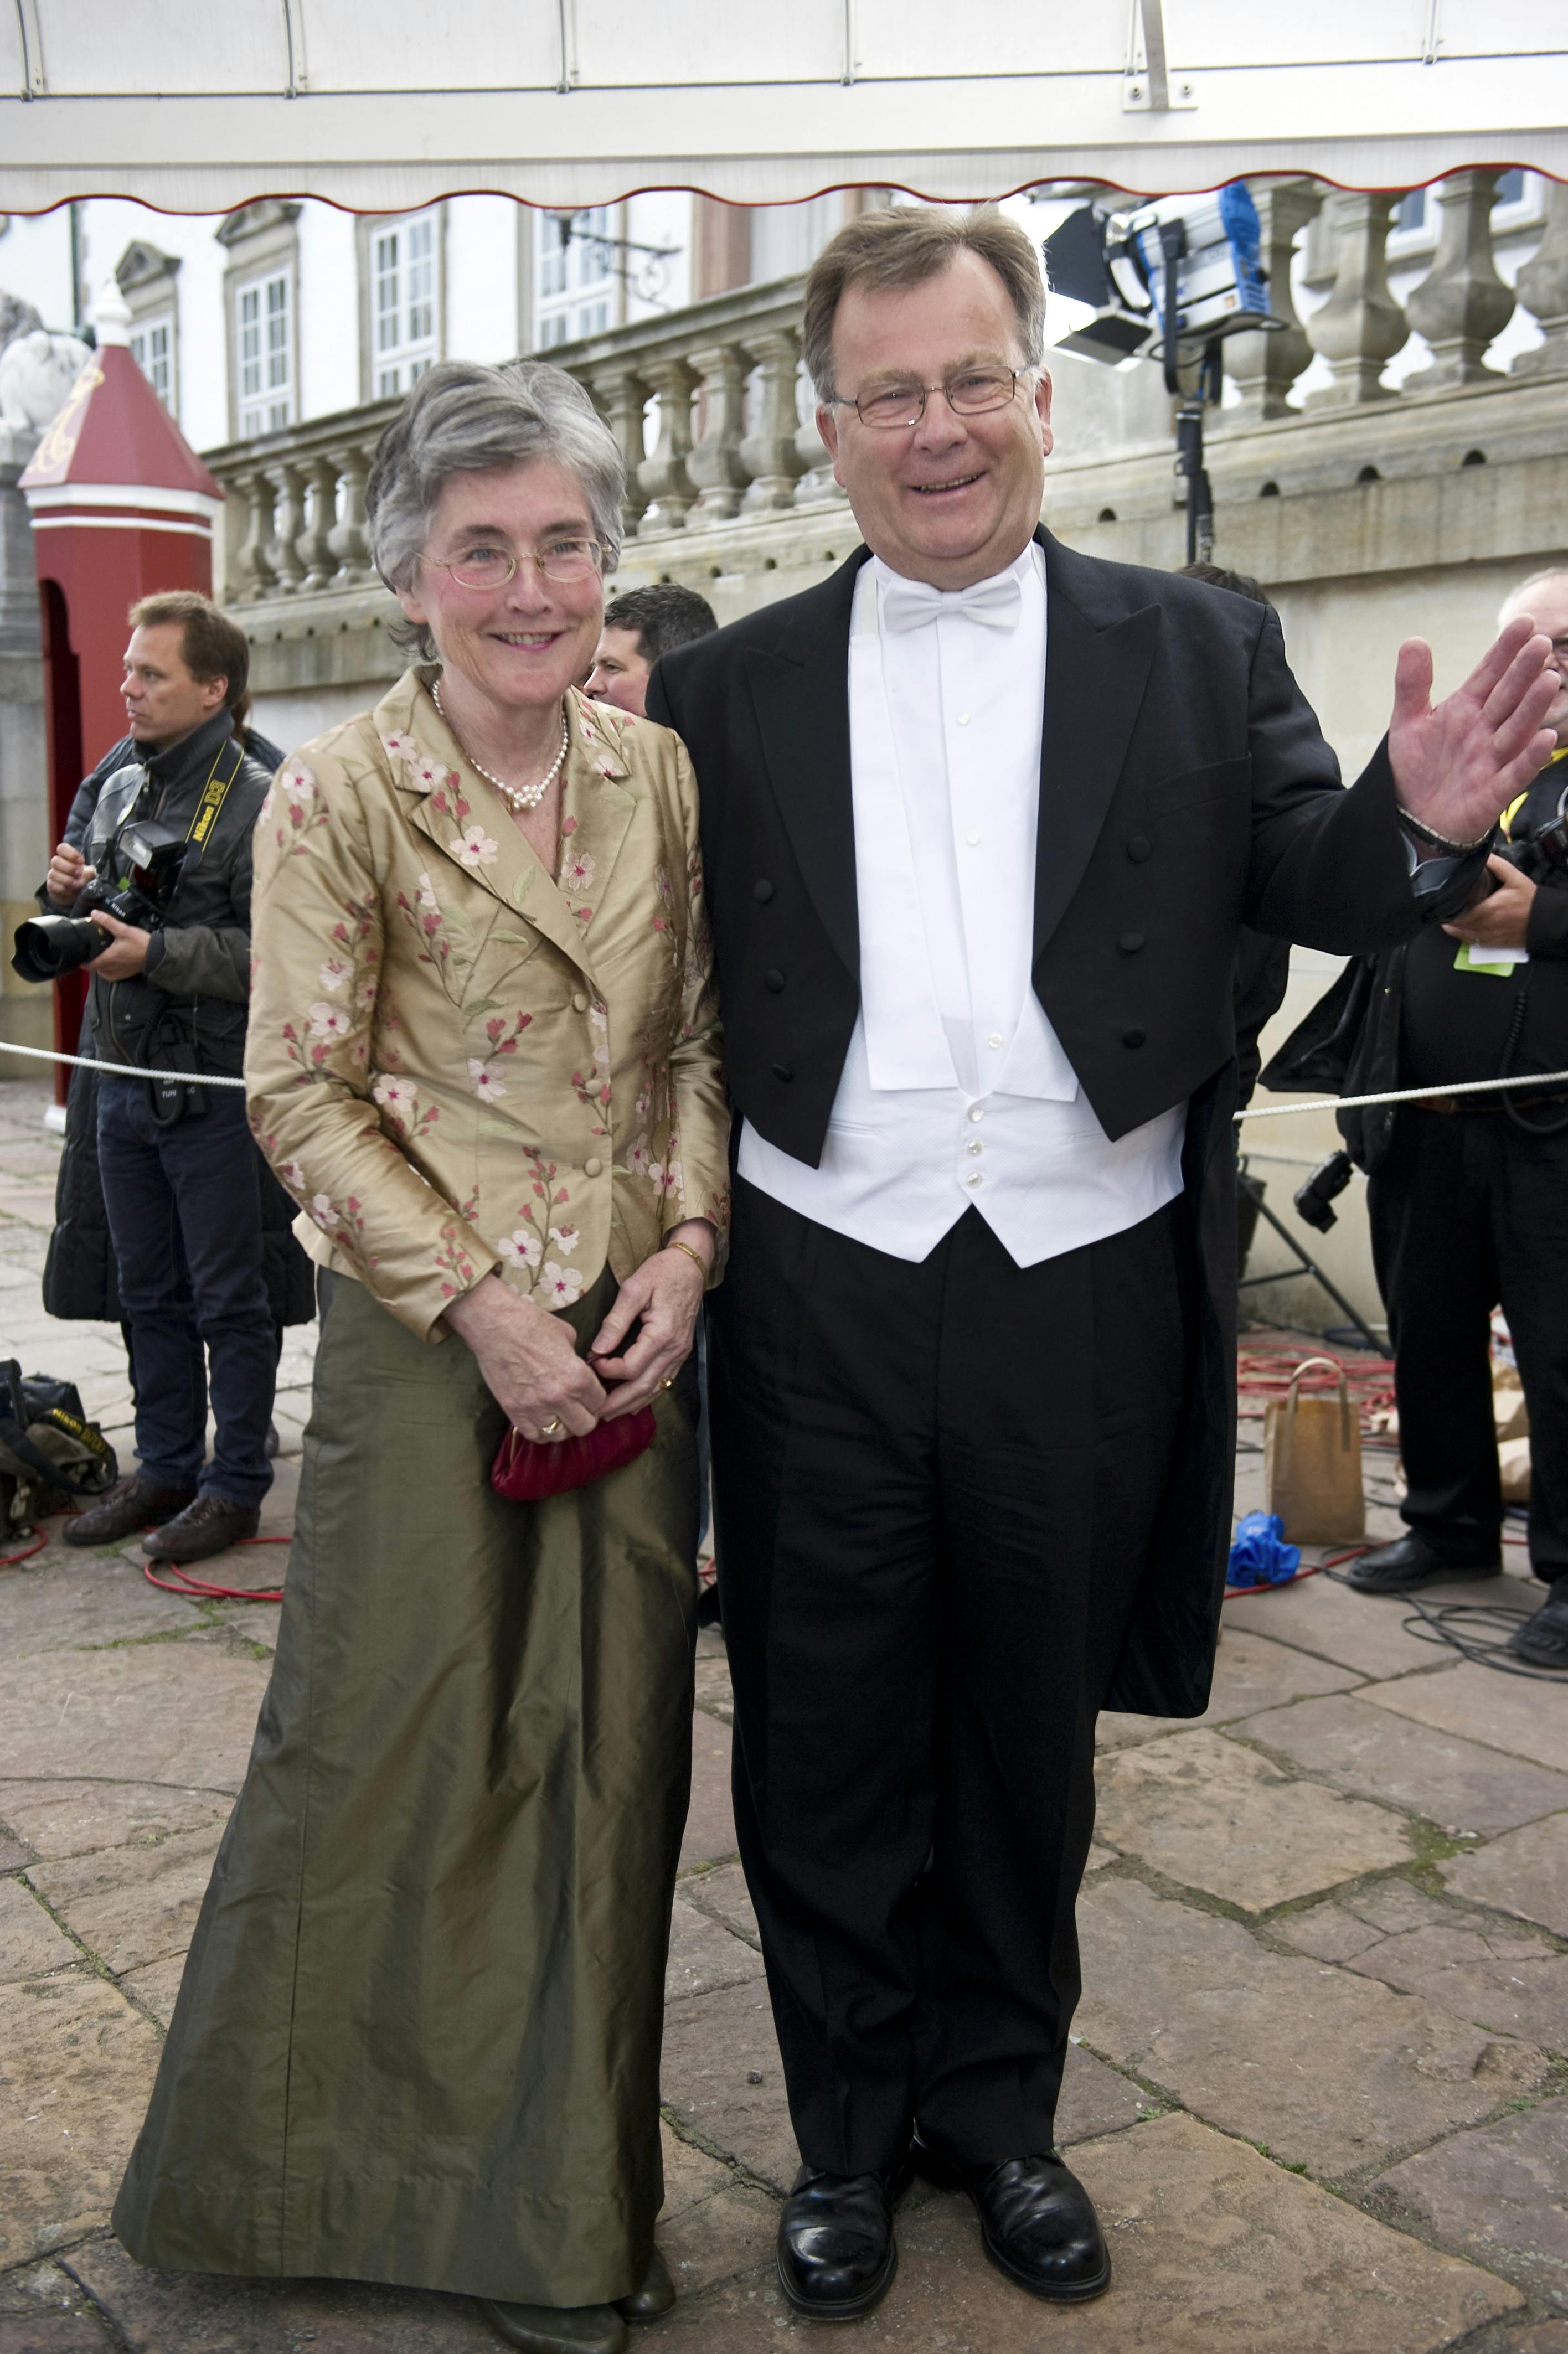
[
  {"x": 816, "y": 487},
  {"x": 716, "y": 464},
  {"x": 663, "y": 476},
  {"x": 253, "y": 561},
  {"x": 1263, "y": 367},
  {"x": 348, "y": 541},
  {"x": 1361, "y": 326},
  {"x": 1543, "y": 291},
  {"x": 289, "y": 518},
  {"x": 1461, "y": 303},
  {"x": 320, "y": 512},
  {"x": 622, "y": 396},
  {"x": 770, "y": 452}
]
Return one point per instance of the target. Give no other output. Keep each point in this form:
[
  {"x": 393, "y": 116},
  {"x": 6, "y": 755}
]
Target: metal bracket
[
  {"x": 567, "y": 15},
  {"x": 1147, "y": 87},
  {"x": 294, "y": 33},
  {"x": 34, "y": 84}
]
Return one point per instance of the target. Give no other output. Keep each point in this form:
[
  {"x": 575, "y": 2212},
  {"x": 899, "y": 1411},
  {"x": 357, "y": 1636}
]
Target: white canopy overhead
[{"x": 381, "y": 105}]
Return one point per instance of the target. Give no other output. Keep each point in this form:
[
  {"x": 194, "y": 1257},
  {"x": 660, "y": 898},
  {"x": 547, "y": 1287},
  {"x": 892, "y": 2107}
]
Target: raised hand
[{"x": 1458, "y": 764}]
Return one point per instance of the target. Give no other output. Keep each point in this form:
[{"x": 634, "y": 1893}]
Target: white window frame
[
  {"x": 577, "y": 288},
  {"x": 143, "y": 333},
  {"x": 271, "y": 405},
  {"x": 402, "y": 274}
]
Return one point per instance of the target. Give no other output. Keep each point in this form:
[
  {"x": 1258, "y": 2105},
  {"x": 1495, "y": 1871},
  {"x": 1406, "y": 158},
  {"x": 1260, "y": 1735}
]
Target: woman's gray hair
[{"x": 464, "y": 418}]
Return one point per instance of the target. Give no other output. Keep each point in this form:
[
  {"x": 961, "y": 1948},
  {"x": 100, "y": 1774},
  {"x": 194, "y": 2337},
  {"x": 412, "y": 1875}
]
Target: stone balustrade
[{"x": 727, "y": 479}]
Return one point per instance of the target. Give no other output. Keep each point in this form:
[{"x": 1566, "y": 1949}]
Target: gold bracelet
[{"x": 674, "y": 1242}]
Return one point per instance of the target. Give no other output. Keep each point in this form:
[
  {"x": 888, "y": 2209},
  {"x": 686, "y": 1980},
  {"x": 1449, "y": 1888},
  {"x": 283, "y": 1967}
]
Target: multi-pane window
[
  {"x": 152, "y": 349},
  {"x": 264, "y": 332},
  {"x": 403, "y": 301},
  {"x": 573, "y": 276}
]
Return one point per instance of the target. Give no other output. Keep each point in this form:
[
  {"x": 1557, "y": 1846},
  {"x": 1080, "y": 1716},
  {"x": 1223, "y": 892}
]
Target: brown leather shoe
[
  {"x": 209, "y": 1525},
  {"x": 124, "y": 1508}
]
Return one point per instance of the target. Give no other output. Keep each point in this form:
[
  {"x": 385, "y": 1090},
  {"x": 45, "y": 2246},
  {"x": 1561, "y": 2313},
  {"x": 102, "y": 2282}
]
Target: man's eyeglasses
[
  {"x": 969, "y": 395},
  {"x": 486, "y": 566}
]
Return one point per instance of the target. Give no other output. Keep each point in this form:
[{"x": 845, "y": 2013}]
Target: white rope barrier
[{"x": 1266, "y": 1111}]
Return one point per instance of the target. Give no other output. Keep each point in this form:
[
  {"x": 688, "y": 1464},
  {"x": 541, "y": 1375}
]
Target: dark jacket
[
  {"x": 1185, "y": 791},
  {"x": 187, "y": 1008},
  {"x": 1350, "y": 1041}
]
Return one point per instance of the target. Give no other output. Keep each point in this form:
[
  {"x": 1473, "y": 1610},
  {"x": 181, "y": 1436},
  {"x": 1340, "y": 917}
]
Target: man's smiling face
[{"x": 952, "y": 499}]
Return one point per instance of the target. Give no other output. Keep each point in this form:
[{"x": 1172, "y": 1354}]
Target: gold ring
[
  {"x": 551, "y": 1426},
  {"x": 671, "y": 1382}
]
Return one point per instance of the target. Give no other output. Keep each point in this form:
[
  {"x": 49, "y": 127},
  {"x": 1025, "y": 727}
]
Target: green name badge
[{"x": 1501, "y": 963}]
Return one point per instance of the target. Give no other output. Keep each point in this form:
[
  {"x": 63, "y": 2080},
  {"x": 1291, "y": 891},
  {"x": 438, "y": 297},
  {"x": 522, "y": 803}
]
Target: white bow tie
[{"x": 910, "y": 604}]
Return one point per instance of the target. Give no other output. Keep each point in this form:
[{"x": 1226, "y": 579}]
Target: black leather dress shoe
[
  {"x": 1543, "y": 1639},
  {"x": 1038, "y": 2223},
  {"x": 655, "y": 2297},
  {"x": 1410, "y": 1562},
  {"x": 837, "y": 2254}
]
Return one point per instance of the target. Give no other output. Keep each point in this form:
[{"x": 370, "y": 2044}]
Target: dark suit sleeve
[
  {"x": 1548, "y": 931},
  {"x": 1330, "y": 869}
]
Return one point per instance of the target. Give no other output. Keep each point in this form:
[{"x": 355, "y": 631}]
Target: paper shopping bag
[{"x": 1312, "y": 1463}]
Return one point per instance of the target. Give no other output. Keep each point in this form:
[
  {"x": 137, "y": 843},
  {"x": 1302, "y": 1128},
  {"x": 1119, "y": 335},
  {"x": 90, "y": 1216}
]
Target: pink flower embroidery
[
  {"x": 565, "y": 1239},
  {"x": 560, "y": 1285},
  {"x": 399, "y": 1098},
  {"x": 328, "y": 1021},
  {"x": 322, "y": 1211},
  {"x": 576, "y": 873},
  {"x": 333, "y": 974},
  {"x": 521, "y": 1249},
  {"x": 298, "y": 782},
  {"x": 397, "y": 746},
  {"x": 476, "y": 848}
]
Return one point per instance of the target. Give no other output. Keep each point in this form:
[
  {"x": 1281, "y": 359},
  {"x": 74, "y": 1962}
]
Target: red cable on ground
[
  {"x": 7, "y": 1559},
  {"x": 202, "y": 1591}
]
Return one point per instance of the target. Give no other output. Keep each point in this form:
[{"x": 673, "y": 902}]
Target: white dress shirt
[{"x": 956, "y": 1089}]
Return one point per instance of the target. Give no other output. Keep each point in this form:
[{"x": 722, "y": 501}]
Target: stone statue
[{"x": 37, "y": 369}]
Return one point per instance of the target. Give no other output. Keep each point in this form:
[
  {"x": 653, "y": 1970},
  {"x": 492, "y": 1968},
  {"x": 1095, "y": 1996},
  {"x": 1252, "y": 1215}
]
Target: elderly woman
[{"x": 418, "y": 2038}]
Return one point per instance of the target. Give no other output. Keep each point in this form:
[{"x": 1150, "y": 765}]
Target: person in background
[
  {"x": 81, "y": 1278},
  {"x": 637, "y": 627},
  {"x": 179, "y": 1172},
  {"x": 417, "y": 2036},
  {"x": 1468, "y": 1197}
]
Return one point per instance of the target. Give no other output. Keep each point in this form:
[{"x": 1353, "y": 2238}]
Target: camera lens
[{"x": 47, "y": 946}]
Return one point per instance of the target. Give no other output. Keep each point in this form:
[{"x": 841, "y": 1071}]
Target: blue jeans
[{"x": 184, "y": 1213}]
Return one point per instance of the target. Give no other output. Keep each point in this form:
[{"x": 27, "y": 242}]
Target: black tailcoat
[{"x": 1185, "y": 791}]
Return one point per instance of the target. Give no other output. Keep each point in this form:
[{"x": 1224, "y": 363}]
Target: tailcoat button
[
  {"x": 593, "y": 1166},
  {"x": 782, "y": 1071},
  {"x": 1129, "y": 943},
  {"x": 1134, "y": 1037},
  {"x": 763, "y": 891},
  {"x": 580, "y": 1002},
  {"x": 774, "y": 980},
  {"x": 1139, "y": 848}
]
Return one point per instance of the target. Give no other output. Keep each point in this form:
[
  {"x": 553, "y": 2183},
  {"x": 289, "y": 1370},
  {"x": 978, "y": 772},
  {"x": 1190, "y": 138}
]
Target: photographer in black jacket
[
  {"x": 178, "y": 1167},
  {"x": 1468, "y": 1195}
]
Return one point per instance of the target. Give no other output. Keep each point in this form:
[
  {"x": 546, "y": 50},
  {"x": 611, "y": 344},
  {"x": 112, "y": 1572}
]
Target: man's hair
[
  {"x": 903, "y": 246},
  {"x": 665, "y": 617},
  {"x": 1240, "y": 584},
  {"x": 211, "y": 646},
  {"x": 1516, "y": 597}
]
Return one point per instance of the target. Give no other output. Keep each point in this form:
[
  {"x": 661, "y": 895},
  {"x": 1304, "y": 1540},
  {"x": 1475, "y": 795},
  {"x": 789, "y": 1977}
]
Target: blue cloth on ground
[{"x": 1259, "y": 1554}]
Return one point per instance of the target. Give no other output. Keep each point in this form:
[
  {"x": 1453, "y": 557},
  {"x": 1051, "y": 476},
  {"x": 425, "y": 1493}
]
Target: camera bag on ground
[{"x": 50, "y": 1455}]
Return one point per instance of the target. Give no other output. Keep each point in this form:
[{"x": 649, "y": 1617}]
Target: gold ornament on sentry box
[{"x": 1312, "y": 1462}]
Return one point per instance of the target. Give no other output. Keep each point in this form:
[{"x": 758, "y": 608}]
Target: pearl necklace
[{"x": 521, "y": 797}]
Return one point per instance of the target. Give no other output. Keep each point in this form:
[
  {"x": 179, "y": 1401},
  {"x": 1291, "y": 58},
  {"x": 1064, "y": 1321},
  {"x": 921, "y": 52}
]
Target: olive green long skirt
[{"x": 418, "y": 2037}]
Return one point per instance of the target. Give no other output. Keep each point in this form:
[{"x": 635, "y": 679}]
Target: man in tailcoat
[{"x": 982, "y": 821}]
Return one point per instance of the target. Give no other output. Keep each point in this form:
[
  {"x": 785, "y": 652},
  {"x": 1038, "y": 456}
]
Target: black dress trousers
[
  {"x": 935, "y": 1488},
  {"x": 1468, "y": 1211}
]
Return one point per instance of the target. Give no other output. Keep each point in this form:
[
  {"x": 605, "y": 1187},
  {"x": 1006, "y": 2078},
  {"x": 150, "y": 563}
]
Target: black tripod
[{"x": 1251, "y": 1206}]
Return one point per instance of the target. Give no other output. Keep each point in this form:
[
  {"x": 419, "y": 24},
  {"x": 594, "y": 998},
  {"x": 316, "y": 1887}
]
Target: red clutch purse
[{"x": 528, "y": 1468}]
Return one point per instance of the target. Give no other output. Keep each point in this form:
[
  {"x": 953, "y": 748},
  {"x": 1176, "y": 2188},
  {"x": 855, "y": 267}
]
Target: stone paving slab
[
  {"x": 1215, "y": 2251},
  {"x": 133, "y": 1905},
  {"x": 77, "y": 2063},
  {"x": 1453, "y": 1781},
  {"x": 179, "y": 1711},
  {"x": 1348, "y": 1924},
  {"x": 42, "y": 2311},
  {"x": 723, "y": 1894},
  {"x": 724, "y": 2082},
  {"x": 1330, "y": 2070},
  {"x": 1361, "y": 1631},
  {"x": 710, "y": 1820},
  {"x": 75, "y": 1817},
  {"x": 1251, "y": 1671},
  {"x": 30, "y": 1943},
  {"x": 1525, "y": 1873},
  {"x": 203, "y": 2313},
  {"x": 1213, "y": 1815},
  {"x": 60, "y": 1599},
  {"x": 1500, "y": 2195},
  {"x": 705, "y": 1956},
  {"x": 154, "y": 1988},
  {"x": 1512, "y": 1982},
  {"x": 1523, "y": 1719}
]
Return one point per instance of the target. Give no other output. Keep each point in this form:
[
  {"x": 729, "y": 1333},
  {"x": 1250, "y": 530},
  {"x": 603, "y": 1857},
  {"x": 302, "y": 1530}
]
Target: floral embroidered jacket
[{"x": 456, "y": 1063}]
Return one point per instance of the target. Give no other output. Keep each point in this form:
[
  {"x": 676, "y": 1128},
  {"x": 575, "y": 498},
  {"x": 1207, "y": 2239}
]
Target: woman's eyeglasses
[
  {"x": 485, "y": 565},
  {"x": 969, "y": 395}
]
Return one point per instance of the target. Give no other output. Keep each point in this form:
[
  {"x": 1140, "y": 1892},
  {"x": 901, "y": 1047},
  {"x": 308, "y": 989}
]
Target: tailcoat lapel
[
  {"x": 1098, "y": 659},
  {"x": 801, "y": 693}
]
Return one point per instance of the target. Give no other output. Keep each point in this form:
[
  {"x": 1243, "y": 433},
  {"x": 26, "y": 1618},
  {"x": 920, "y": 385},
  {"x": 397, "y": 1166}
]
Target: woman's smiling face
[{"x": 523, "y": 645}]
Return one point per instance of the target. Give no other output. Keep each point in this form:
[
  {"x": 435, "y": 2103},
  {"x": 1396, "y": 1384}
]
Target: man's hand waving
[{"x": 1458, "y": 764}]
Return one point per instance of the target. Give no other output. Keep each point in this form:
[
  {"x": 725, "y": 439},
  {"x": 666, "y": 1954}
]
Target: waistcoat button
[
  {"x": 1133, "y": 1037},
  {"x": 1139, "y": 848},
  {"x": 773, "y": 980},
  {"x": 782, "y": 1071},
  {"x": 593, "y": 1166},
  {"x": 1129, "y": 943},
  {"x": 763, "y": 891}
]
